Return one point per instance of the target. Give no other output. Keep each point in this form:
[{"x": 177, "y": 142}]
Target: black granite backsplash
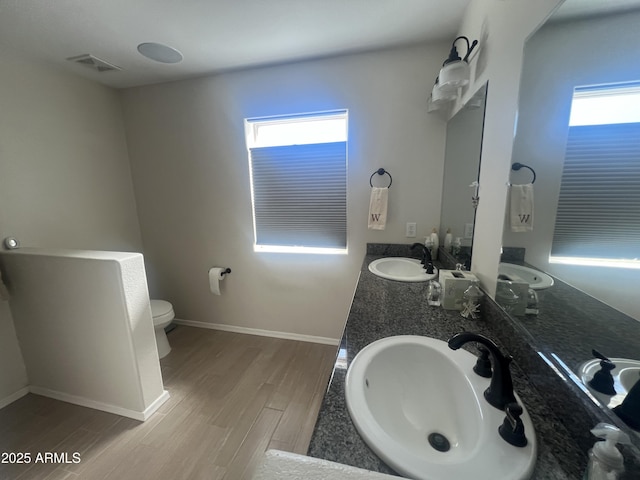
[
  {"x": 513, "y": 254},
  {"x": 383, "y": 308}
]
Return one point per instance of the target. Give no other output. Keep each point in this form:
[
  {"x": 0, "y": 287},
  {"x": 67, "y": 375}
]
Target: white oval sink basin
[
  {"x": 536, "y": 279},
  {"x": 401, "y": 269},
  {"x": 402, "y": 389},
  {"x": 625, "y": 376}
]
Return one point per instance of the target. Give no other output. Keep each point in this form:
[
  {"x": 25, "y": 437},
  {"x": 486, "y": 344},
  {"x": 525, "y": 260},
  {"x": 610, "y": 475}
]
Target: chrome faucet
[
  {"x": 427, "y": 261},
  {"x": 500, "y": 391}
]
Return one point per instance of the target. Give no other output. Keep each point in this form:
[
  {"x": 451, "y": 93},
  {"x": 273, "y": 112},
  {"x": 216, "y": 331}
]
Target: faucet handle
[
  {"x": 512, "y": 428},
  {"x": 605, "y": 363},
  {"x": 483, "y": 364},
  {"x": 602, "y": 380}
]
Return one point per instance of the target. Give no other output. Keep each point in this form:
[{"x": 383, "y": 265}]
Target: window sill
[
  {"x": 596, "y": 262},
  {"x": 304, "y": 250}
]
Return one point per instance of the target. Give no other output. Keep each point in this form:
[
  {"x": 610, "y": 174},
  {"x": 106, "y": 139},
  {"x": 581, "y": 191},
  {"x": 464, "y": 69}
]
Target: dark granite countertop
[
  {"x": 570, "y": 323},
  {"x": 383, "y": 308}
]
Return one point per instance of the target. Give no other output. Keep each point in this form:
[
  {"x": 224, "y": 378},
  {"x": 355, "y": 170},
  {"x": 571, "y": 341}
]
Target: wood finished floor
[{"x": 232, "y": 397}]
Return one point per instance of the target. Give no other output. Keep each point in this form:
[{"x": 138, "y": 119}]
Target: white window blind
[
  {"x": 598, "y": 212},
  {"x": 299, "y": 188}
]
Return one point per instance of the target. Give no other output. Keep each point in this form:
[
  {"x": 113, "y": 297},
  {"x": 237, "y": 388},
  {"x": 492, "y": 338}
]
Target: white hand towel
[
  {"x": 521, "y": 208},
  {"x": 378, "y": 208}
]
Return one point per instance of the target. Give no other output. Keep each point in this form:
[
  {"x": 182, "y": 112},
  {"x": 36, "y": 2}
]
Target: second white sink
[
  {"x": 403, "y": 390},
  {"x": 537, "y": 280},
  {"x": 401, "y": 269},
  {"x": 625, "y": 376}
]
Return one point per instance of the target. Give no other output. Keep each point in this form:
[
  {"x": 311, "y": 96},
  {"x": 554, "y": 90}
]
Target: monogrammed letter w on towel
[
  {"x": 521, "y": 208},
  {"x": 378, "y": 208}
]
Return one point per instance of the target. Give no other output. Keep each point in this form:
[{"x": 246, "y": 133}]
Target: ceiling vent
[{"x": 94, "y": 63}]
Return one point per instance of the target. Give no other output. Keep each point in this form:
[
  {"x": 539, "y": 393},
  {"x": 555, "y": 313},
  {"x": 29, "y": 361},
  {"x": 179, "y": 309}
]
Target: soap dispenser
[
  {"x": 448, "y": 240},
  {"x": 435, "y": 243},
  {"x": 456, "y": 246},
  {"x": 605, "y": 460},
  {"x": 428, "y": 242},
  {"x": 532, "y": 303}
]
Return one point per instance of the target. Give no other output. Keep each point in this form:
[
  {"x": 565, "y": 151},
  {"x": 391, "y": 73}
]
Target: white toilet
[{"x": 162, "y": 312}]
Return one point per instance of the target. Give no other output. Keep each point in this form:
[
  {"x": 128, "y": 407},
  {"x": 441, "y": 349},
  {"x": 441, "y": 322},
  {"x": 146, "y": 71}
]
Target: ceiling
[
  {"x": 577, "y": 9},
  {"x": 215, "y": 35}
]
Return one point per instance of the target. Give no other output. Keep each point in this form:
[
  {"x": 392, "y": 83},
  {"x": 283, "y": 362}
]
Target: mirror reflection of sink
[
  {"x": 401, "y": 269},
  {"x": 625, "y": 376},
  {"x": 410, "y": 395},
  {"x": 536, "y": 279}
]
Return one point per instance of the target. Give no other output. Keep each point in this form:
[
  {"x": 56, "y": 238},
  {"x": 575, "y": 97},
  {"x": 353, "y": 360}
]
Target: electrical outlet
[
  {"x": 411, "y": 230},
  {"x": 468, "y": 230}
]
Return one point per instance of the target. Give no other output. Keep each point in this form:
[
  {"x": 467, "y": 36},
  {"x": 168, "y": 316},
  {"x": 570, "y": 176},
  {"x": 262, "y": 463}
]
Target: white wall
[
  {"x": 13, "y": 375},
  {"x": 191, "y": 176},
  {"x": 84, "y": 323},
  {"x": 559, "y": 57},
  {"x": 501, "y": 29},
  {"x": 65, "y": 179}
]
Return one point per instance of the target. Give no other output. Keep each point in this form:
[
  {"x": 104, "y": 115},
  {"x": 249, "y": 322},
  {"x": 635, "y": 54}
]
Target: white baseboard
[
  {"x": 257, "y": 331},
  {"x": 105, "y": 407},
  {"x": 13, "y": 397},
  {"x": 151, "y": 409}
]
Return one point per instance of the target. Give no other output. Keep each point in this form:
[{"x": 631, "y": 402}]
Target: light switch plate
[
  {"x": 468, "y": 230},
  {"x": 411, "y": 230}
]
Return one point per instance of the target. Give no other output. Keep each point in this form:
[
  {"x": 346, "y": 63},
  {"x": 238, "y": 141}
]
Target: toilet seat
[{"x": 162, "y": 312}]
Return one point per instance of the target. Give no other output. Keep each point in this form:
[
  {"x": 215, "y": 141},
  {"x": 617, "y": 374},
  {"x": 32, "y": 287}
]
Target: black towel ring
[
  {"x": 518, "y": 166},
  {"x": 380, "y": 171}
]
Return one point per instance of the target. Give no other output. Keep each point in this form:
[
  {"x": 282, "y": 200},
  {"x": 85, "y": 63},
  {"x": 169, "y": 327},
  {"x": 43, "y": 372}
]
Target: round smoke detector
[{"x": 160, "y": 53}]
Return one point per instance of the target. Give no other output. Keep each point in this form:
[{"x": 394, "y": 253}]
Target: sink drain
[{"x": 439, "y": 442}]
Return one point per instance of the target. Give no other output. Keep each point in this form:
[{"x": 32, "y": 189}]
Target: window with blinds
[
  {"x": 298, "y": 168},
  {"x": 598, "y": 213}
]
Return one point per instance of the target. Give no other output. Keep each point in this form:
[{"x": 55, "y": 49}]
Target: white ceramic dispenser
[{"x": 605, "y": 460}]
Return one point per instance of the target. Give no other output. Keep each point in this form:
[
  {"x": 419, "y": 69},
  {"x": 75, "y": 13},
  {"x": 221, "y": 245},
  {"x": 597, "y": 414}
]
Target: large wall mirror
[
  {"x": 584, "y": 46},
  {"x": 461, "y": 169}
]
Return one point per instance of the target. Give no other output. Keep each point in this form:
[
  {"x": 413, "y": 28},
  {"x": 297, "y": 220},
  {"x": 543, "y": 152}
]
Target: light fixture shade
[
  {"x": 440, "y": 95},
  {"x": 432, "y": 107},
  {"x": 454, "y": 75}
]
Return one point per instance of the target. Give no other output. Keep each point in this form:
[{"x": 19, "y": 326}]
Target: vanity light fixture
[
  {"x": 441, "y": 95},
  {"x": 455, "y": 73},
  {"x": 439, "y": 98}
]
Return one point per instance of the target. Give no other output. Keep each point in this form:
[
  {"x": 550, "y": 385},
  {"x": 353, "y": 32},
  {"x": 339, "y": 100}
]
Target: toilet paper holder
[{"x": 225, "y": 271}]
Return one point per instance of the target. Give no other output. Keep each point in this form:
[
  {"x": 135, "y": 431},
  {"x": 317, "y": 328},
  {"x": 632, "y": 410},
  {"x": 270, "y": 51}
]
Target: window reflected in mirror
[{"x": 598, "y": 212}]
